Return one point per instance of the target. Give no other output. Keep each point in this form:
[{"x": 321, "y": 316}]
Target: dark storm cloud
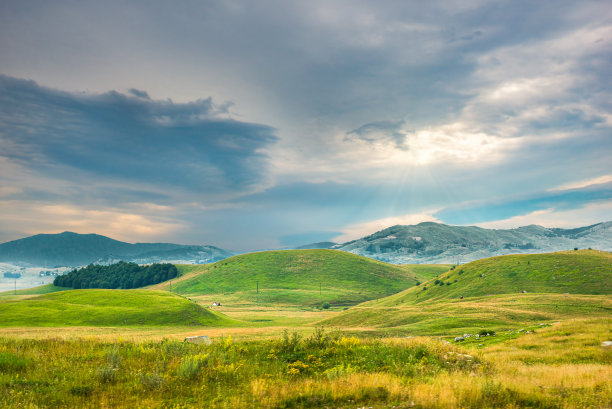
[{"x": 130, "y": 138}]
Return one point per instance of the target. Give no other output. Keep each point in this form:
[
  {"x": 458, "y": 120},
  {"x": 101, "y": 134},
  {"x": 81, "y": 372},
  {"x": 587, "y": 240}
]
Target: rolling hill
[
  {"x": 439, "y": 243},
  {"x": 497, "y": 292},
  {"x": 108, "y": 308},
  {"x": 73, "y": 249},
  {"x": 299, "y": 277}
]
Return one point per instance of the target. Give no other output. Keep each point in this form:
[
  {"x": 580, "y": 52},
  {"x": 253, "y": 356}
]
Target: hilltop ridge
[
  {"x": 74, "y": 249},
  {"x": 431, "y": 242}
]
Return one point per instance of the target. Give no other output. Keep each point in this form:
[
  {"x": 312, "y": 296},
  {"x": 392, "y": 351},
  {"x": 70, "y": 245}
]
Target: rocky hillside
[{"x": 439, "y": 243}]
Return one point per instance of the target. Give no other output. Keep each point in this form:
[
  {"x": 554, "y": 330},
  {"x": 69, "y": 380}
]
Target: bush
[
  {"x": 484, "y": 332},
  {"x": 106, "y": 374},
  {"x": 326, "y": 305},
  {"x": 191, "y": 365}
]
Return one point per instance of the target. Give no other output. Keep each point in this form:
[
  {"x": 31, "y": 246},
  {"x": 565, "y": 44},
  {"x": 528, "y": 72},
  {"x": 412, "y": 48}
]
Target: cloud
[
  {"x": 386, "y": 131},
  {"x": 475, "y": 108},
  {"x": 132, "y": 138},
  {"x": 592, "y": 213},
  {"x": 504, "y": 208},
  {"x": 584, "y": 183},
  {"x": 136, "y": 224}
]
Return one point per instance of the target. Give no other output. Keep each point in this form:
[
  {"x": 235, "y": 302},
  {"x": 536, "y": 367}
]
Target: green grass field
[
  {"x": 107, "y": 308},
  {"x": 558, "y": 286},
  {"x": 574, "y": 272},
  {"x": 560, "y": 366},
  {"x": 298, "y": 278},
  {"x": 123, "y": 348}
]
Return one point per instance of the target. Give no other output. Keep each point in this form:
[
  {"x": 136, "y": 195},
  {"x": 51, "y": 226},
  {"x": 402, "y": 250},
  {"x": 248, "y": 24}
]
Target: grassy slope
[
  {"x": 575, "y": 272},
  {"x": 495, "y": 300},
  {"x": 294, "y": 277},
  {"x": 41, "y": 289},
  {"x": 107, "y": 308}
]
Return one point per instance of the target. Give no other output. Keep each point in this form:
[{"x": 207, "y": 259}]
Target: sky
[{"x": 266, "y": 124}]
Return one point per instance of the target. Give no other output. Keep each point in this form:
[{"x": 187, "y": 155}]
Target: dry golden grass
[{"x": 562, "y": 366}]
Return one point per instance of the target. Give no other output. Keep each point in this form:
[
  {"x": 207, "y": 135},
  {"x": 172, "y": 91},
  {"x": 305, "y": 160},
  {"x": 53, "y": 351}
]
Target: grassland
[
  {"x": 107, "y": 308},
  {"x": 559, "y": 366},
  {"x": 297, "y": 278},
  {"x": 123, "y": 348},
  {"x": 575, "y": 272},
  {"x": 558, "y": 286}
]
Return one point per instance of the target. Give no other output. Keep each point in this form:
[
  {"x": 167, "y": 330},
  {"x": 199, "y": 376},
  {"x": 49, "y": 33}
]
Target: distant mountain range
[
  {"x": 73, "y": 249},
  {"x": 439, "y": 243},
  {"x": 422, "y": 243}
]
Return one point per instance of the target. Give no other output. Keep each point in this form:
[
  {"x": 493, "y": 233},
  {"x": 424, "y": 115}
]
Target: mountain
[
  {"x": 439, "y": 243},
  {"x": 298, "y": 277},
  {"x": 319, "y": 245},
  {"x": 499, "y": 293},
  {"x": 73, "y": 249}
]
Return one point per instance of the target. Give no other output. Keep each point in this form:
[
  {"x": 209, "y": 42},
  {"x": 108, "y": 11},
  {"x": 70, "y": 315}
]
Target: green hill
[
  {"x": 107, "y": 308},
  {"x": 557, "y": 285},
  {"x": 575, "y": 272},
  {"x": 299, "y": 277}
]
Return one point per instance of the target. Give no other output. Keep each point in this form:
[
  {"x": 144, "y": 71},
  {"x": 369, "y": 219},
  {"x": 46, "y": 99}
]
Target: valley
[{"x": 389, "y": 336}]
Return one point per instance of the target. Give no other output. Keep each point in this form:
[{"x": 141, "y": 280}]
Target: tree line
[{"x": 119, "y": 275}]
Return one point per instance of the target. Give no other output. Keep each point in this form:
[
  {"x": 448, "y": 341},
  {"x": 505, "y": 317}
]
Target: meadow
[
  {"x": 125, "y": 348},
  {"x": 297, "y": 278},
  {"x": 562, "y": 365}
]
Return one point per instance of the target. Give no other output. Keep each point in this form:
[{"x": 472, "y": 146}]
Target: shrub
[
  {"x": 326, "y": 305},
  {"x": 191, "y": 365},
  {"x": 484, "y": 332},
  {"x": 106, "y": 374}
]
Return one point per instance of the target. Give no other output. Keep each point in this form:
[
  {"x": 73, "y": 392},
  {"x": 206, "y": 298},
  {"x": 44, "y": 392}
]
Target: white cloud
[
  {"x": 589, "y": 214},
  {"x": 584, "y": 183},
  {"x": 356, "y": 231},
  {"x": 121, "y": 224}
]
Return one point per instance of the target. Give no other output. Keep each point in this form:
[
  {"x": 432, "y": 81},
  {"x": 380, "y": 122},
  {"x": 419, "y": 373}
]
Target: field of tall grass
[{"x": 563, "y": 365}]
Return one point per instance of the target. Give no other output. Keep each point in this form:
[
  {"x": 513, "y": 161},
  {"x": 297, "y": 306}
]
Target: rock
[
  {"x": 606, "y": 344},
  {"x": 459, "y": 339},
  {"x": 202, "y": 339}
]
